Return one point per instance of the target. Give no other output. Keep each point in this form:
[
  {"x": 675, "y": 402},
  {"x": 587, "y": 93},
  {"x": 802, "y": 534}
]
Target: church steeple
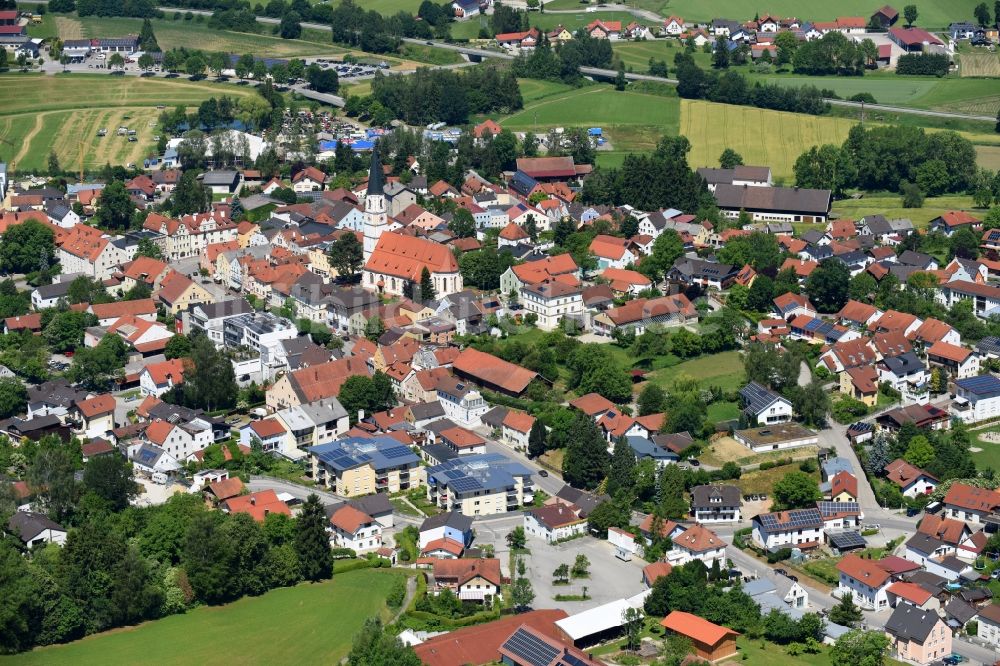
[
  {"x": 376, "y": 180},
  {"x": 376, "y": 219}
]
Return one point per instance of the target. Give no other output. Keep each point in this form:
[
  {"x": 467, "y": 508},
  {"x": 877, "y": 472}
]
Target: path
[
  {"x": 411, "y": 589},
  {"x": 805, "y": 375},
  {"x": 26, "y": 142}
]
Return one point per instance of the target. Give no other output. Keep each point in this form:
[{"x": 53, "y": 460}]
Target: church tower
[{"x": 375, "y": 207}]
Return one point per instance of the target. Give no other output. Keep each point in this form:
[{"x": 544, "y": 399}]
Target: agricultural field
[
  {"x": 309, "y": 623},
  {"x": 63, "y": 113},
  {"x": 891, "y": 206},
  {"x": 988, "y": 157},
  {"x": 979, "y": 64},
  {"x": 47, "y": 29},
  {"x": 197, "y": 35},
  {"x": 547, "y": 21},
  {"x": 712, "y": 128}
]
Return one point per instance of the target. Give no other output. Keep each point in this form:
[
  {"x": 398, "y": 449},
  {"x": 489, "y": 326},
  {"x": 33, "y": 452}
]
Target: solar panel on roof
[
  {"x": 396, "y": 452},
  {"x": 843, "y": 540},
  {"x": 530, "y": 649}
]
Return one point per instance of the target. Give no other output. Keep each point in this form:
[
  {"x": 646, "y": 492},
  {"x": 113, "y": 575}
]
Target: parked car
[
  {"x": 543, "y": 472},
  {"x": 781, "y": 572}
]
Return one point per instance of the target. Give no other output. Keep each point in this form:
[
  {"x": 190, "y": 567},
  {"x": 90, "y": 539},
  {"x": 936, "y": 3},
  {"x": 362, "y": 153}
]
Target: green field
[
  {"x": 724, "y": 370},
  {"x": 754, "y": 134},
  {"x": 307, "y": 624},
  {"x": 63, "y": 113},
  {"x": 891, "y": 206},
  {"x": 470, "y": 29},
  {"x": 47, "y": 29}
]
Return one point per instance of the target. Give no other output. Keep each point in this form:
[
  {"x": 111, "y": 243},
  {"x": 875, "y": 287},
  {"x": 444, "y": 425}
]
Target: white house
[
  {"x": 715, "y": 504},
  {"x": 797, "y": 528},
  {"x": 462, "y": 403},
  {"x": 355, "y": 529},
  {"x": 976, "y": 398},
  {"x": 865, "y": 580},
  {"x": 763, "y": 406},
  {"x": 158, "y": 378},
  {"x": 449, "y": 525},
  {"x": 697, "y": 543},
  {"x": 989, "y": 625},
  {"x": 36, "y": 529},
  {"x": 912, "y": 481},
  {"x": 515, "y": 429},
  {"x": 552, "y": 300},
  {"x": 554, "y": 522}
]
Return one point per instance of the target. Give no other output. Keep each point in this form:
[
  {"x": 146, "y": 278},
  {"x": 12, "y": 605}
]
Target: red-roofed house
[
  {"x": 711, "y": 642},
  {"x": 865, "y": 580},
  {"x": 604, "y": 29},
  {"x": 911, "y": 593},
  {"x": 309, "y": 179},
  {"x": 480, "y": 644},
  {"x": 259, "y": 505},
  {"x": 355, "y": 529},
  {"x": 470, "y": 579},
  {"x": 911, "y": 480},
  {"x": 971, "y": 504},
  {"x": 270, "y": 432},
  {"x": 950, "y": 222},
  {"x": 108, "y": 313},
  {"x": 611, "y": 251},
  {"x": 553, "y": 522},
  {"x": 398, "y": 260},
  {"x": 515, "y": 429},
  {"x": 158, "y": 378},
  {"x": 625, "y": 282},
  {"x": 97, "y": 415},
  {"x": 960, "y": 362}
]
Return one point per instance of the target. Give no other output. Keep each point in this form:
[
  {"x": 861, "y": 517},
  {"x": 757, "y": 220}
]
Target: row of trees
[
  {"x": 732, "y": 88},
  {"x": 563, "y": 62},
  {"x": 887, "y": 157}
]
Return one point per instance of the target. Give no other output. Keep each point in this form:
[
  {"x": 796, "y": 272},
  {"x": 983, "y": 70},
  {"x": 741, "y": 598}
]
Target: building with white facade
[
  {"x": 551, "y": 301},
  {"x": 554, "y": 522},
  {"x": 354, "y": 529},
  {"x": 976, "y": 399},
  {"x": 797, "y": 528},
  {"x": 715, "y": 504},
  {"x": 462, "y": 403},
  {"x": 865, "y": 580}
]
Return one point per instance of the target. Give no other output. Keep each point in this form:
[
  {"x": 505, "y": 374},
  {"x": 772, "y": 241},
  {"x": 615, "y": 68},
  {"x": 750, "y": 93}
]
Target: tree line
[
  {"x": 563, "y": 62},
  {"x": 447, "y": 96},
  {"x": 923, "y": 64}
]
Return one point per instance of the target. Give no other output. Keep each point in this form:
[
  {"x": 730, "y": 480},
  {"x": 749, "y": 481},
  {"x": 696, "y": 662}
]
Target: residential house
[
  {"x": 865, "y": 580},
  {"x": 448, "y": 526},
  {"x": 551, "y": 302},
  {"x": 354, "y": 466},
  {"x": 711, "y": 642},
  {"x": 959, "y": 362},
  {"x": 462, "y": 403},
  {"x": 976, "y": 398},
  {"x": 515, "y": 429},
  {"x": 861, "y": 383},
  {"x": 158, "y": 378},
  {"x": 950, "y": 222},
  {"x": 911, "y": 480},
  {"x": 258, "y": 505},
  {"x": 715, "y": 504},
  {"x": 706, "y": 274},
  {"x": 971, "y": 504},
  {"x": 611, "y": 252},
  {"x": 554, "y": 522},
  {"x": 35, "y": 529},
  {"x": 468, "y": 579},
  {"x": 639, "y": 314},
  {"x": 354, "y": 529},
  {"x": 697, "y": 543},
  {"x": 989, "y": 625},
  {"x": 479, "y": 484},
  {"x": 97, "y": 415},
  {"x": 918, "y": 636},
  {"x": 796, "y": 528},
  {"x": 763, "y": 406}
]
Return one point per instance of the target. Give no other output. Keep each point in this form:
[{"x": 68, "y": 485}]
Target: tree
[
  {"x": 581, "y": 566},
  {"x": 758, "y": 249},
  {"x": 720, "y": 54},
  {"x": 859, "y": 648},
  {"x": 116, "y": 207},
  {"x": 190, "y": 195},
  {"x": 516, "y": 538},
  {"x": 322, "y": 80},
  {"x": 910, "y": 13},
  {"x": 13, "y": 398},
  {"x": 116, "y": 61},
  {"x": 209, "y": 560},
  {"x": 145, "y": 62},
  {"x": 621, "y": 472},
  {"x": 796, "y": 490},
  {"x": 65, "y": 330},
  {"x": 586, "y": 461},
  {"x": 652, "y": 400},
  {"x": 846, "y": 613},
  {"x": 632, "y": 624},
  {"x": 982, "y": 14},
  {"x": 730, "y": 159},
  {"x": 671, "y": 482},
  {"x": 620, "y": 80},
  {"x": 194, "y": 65},
  {"x": 54, "y": 168},
  {"x": 244, "y": 66},
  {"x": 110, "y": 478},
  {"x": 427, "y": 293},
  {"x": 373, "y": 646},
  {"x": 963, "y": 244},
  {"x": 522, "y": 594},
  {"x": 209, "y": 383},
  {"x": 920, "y": 452},
  {"x": 828, "y": 285},
  {"x": 374, "y": 328},
  {"x": 912, "y": 196},
  {"x": 346, "y": 255},
  {"x": 178, "y": 346},
  {"x": 462, "y": 223},
  {"x": 27, "y": 247},
  {"x": 561, "y": 573},
  {"x": 685, "y": 413},
  {"x": 812, "y": 404},
  {"x": 537, "y": 439},
  {"x": 96, "y": 367},
  {"x": 147, "y": 39},
  {"x": 312, "y": 545},
  {"x": 291, "y": 26}
]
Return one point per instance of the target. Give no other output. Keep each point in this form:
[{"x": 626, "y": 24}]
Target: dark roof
[
  {"x": 775, "y": 199},
  {"x": 427, "y": 410},
  {"x": 373, "y": 505},
  {"x": 960, "y": 611},
  {"x": 905, "y": 364},
  {"x": 220, "y": 177},
  {"x": 984, "y": 386},
  {"x": 494, "y": 418},
  {"x": 451, "y": 519},
  {"x": 911, "y": 623},
  {"x": 911, "y": 258},
  {"x": 28, "y": 524},
  {"x": 376, "y": 181},
  {"x": 230, "y": 308},
  {"x": 702, "y": 496},
  {"x": 756, "y": 398},
  {"x": 585, "y": 501}
]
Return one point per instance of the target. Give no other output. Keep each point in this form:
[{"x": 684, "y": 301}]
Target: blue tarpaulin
[{"x": 595, "y": 131}]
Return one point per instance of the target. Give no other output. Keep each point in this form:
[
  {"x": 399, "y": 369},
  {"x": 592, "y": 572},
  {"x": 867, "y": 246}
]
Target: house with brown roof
[
  {"x": 958, "y": 362},
  {"x": 108, "y": 313},
  {"x": 87, "y": 250},
  {"x": 953, "y": 220},
  {"x": 468, "y": 579},
  {"x": 554, "y": 522},
  {"x": 843, "y": 488},
  {"x": 593, "y": 405},
  {"x": 515, "y": 428},
  {"x": 309, "y": 179},
  {"x": 259, "y": 505},
  {"x": 225, "y": 489},
  {"x": 971, "y": 504},
  {"x": 179, "y": 292},
  {"x": 158, "y": 378},
  {"x": 479, "y": 644},
  {"x": 710, "y": 641},
  {"x": 861, "y": 383},
  {"x": 145, "y": 270},
  {"x": 858, "y": 315},
  {"x": 911, "y": 480},
  {"x": 355, "y": 529},
  {"x": 641, "y": 313},
  {"x": 492, "y": 373},
  {"x": 316, "y": 382},
  {"x": 865, "y": 580},
  {"x": 626, "y": 282},
  {"x": 96, "y": 415},
  {"x": 913, "y": 594},
  {"x": 697, "y": 543}
]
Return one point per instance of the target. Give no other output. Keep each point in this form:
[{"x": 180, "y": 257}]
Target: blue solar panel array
[
  {"x": 798, "y": 518},
  {"x": 481, "y": 472},
  {"x": 351, "y": 452},
  {"x": 984, "y": 386},
  {"x": 530, "y": 649}
]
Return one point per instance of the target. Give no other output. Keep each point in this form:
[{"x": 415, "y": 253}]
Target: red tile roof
[
  {"x": 97, "y": 406},
  {"x": 863, "y": 571},
  {"x": 492, "y": 370},
  {"x": 480, "y": 644},
  {"x": 592, "y": 404},
  {"x": 972, "y": 498},
  {"x": 447, "y": 545},
  {"x": 696, "y": 628},
  {"x": 903, "y": 473},
  {"x": 258, "y": 505},
  {"x": 844, "y": 482},
  {"x": 227, "y": 488},
  {"x": 949, "y": 352},
  {"x": 519, "y": 421},
  {"x": 349, "y": 519},
  {"x": 465, "y": 570},
  {"x": 655, "y": 570},
  {"x": 911, "y": 592},
  {"x": 167, "y": 371},
  {"x": 267, "y": 428}
]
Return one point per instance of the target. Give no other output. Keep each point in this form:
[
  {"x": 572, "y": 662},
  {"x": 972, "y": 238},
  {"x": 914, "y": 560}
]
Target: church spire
[{"x": 376, "y": 180}]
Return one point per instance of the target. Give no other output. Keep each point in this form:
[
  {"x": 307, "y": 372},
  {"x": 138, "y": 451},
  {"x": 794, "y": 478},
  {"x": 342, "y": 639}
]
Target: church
[{"x": 392, "y": 259}]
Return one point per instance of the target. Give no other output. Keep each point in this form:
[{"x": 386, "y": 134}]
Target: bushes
[
  {"x": 779, "y": 555},
  {"x": 924, "y": 64},
  {"x": 397, "y": 594}
]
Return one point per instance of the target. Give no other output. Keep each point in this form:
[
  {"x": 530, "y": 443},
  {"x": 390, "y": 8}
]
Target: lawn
[
  {"x": 712, "y": 128},
  {"x": 965, "y": 95},
  {"x": 762, "y": 481},
  {"x": 723, "y": 411},
  {"x": 762, "y": 653},
  {"x": 891, "y": 206},
  {"x": 310, "y": 623},
  {"x": 597, "y": 105},
  {"x": 724, "y": 370},
  {"x": 47, "y": 29},
  {"x": 62, "y": 114},
  {"x": 988, "y": 157},
  {"x": 886, "y": 88},
  {"x": 636, "y": 55},
  {"x": 989, "y": 456}
]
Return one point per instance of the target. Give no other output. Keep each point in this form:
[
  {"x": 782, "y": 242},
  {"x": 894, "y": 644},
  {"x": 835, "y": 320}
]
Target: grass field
[
  {"x": 470, "y": 29},
  {"x": 988, "y": 157},
  {"x": 63, "y": 114},
  {"x": 752, "y": 483},
  {"x": 891, "y": 206},
  {"x": 299, "y": 625},
  {"x": 724, "y": 370},
  {"x": 47, "y": 29},
  {"x": 727, "y": 449},
  {"x": 989, "y": 456},
  {"x": 979, "y": 64},
  {"x": 712, "y": 128}
]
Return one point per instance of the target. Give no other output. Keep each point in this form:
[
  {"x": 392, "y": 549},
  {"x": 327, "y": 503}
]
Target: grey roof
[
  {"x": 757, "y": 398},
  {"x": 29, "y": 524},
  {"x": 220, "y": 177},
  {"x": 854, "y": 258},
  {"x": 494, "y": 418},
  {"x": 911, "y": 623},
  {"x": 646, "y": 448},
  {"x": 931, "y": 582},
  {"x": 57, "y": 392},
  {"x": 484, "y": 472},
  {"x": 904, "y": 364},
  {"x": 229, "y": 308},
  {"x": 376, "y": 179},
  {"x": 925, "y": 543},
  {"x": 586, "y": 502},
  {"x": 760, "y": 586},
  {"x": 708, "y": 270},
  {"x": 440, "y": 452},
  {"x": 703, "y": 496},
  {"x": 989, "y": 345},
  {"x": 373, "y": 505},
  {"x": 380, "y": 452},
  {"x": 773, "y": 199},
  {"x": 911, "y": 258},
  {"x": 960, "y": 611},
  {"x": 427, "y": 410},
  {"x": 451, "y": 519},
  {"x": 832, "y": 466},
  {"x": 56, "y": 289}
]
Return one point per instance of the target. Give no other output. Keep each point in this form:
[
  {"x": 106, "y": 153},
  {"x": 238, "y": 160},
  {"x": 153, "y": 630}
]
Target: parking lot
[{"x": 350, "y": 70}]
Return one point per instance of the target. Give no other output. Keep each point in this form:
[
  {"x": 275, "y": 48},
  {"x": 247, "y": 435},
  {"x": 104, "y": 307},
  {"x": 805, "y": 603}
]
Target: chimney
[
  {"x": 253, "y": 501},
  {"x": 361, "y": 415}
]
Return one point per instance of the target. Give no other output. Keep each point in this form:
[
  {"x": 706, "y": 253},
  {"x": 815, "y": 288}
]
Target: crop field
[
  {"x": 62, "y": 114},
  {"x": 775, "y": 138},
  {"x": 988, "y": 157},
  {"x": 979, "y": 64},
  {"x": 891, "y": 206},
  {"x": 306, "y": 624},
  {"x": 979, "y": 96}
]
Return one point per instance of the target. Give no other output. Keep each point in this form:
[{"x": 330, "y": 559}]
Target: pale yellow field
[{"x": 980, "y": 64}]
